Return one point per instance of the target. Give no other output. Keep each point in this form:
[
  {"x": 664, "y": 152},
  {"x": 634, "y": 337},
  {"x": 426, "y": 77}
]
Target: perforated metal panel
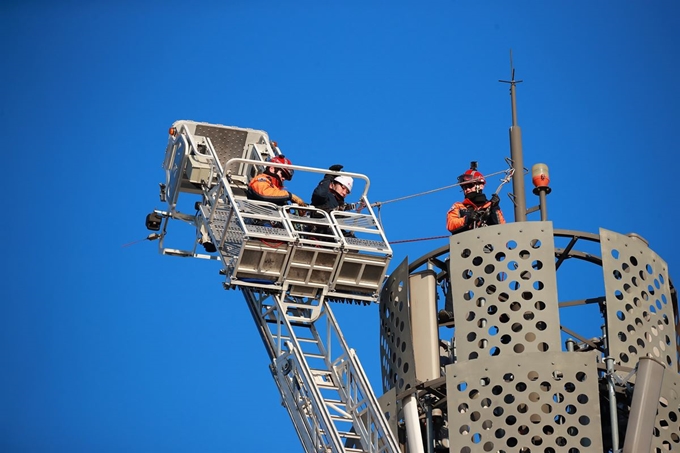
[
  {"x": 396, "y": 347},
  {"x": 535, "y": 404},
  {"x": 504, "y": 290},
  {"x": 667, "y": 426},
  {"x": 228, "y": 143},
  {"x": 640, "y": 318}
]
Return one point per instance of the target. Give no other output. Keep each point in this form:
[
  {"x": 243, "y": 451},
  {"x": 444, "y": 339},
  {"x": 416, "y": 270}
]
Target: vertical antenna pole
[{"x": 519, "y": 195}]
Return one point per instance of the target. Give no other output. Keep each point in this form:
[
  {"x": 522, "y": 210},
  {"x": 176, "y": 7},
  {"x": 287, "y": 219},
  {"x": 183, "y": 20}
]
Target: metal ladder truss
[{"x": 323, "y": 386}]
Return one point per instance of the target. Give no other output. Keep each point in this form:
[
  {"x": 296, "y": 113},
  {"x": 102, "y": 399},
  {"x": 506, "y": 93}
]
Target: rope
[
  {"x": 380, "y": 203},
  {"x": 419, "y": 239},
  {"x": 271, "y": 243},
  {"x": 150, "y": 237},
  {"x": 508, "y": 176}
]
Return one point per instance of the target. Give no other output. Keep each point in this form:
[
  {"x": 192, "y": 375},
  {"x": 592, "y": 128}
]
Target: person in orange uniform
[
  {"x": 475, "y": 210},
  {"x": 268, "y": 185}
]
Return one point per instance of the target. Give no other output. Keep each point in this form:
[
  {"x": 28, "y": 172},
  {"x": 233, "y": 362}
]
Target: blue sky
[{"x": 109, "y": 348}]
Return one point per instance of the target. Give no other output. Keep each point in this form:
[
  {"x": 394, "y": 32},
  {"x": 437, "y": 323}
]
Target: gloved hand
[
  {"x": 357, "y": 206},
  {"x": 297, "y": 200},
  {"x": 336, "y": 167},
  {"x": 495, "y": 200},
  {"x": 472, "y": 216}
]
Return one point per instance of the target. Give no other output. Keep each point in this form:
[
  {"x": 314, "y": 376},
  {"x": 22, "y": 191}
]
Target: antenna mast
[{"x": 518, "y": 195}]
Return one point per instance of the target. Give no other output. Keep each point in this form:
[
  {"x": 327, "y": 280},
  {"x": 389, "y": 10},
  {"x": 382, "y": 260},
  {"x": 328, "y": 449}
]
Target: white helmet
[{"x": 346, "y": 181}]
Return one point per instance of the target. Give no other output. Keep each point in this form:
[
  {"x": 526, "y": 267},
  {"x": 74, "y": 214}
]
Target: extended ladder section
[
  {"x": 289, "y": 261},
  {"x": 321, "y": 381}
]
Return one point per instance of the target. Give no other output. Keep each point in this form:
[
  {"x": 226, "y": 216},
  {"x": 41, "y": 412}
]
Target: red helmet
[
  {"x": 287, "y": 172},
  {"x": 471, "y": 177}
]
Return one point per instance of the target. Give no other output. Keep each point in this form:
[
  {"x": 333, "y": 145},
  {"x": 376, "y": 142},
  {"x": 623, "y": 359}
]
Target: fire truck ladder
[
  {"x": 289, "y": 264},
  {"x": 323, "y": 385}
]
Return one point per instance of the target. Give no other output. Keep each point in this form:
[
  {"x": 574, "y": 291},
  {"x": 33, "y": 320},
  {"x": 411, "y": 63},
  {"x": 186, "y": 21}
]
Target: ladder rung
[
  {"x": 341, "y": 418},
  {"x": 300, "y": 340},
  {"x": 292, "y": 323},
  {"x": 348, "y": 435}
]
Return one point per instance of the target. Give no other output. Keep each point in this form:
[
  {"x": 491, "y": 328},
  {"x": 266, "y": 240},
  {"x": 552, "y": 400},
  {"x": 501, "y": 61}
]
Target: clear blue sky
[{"x": 105, "y": 348}]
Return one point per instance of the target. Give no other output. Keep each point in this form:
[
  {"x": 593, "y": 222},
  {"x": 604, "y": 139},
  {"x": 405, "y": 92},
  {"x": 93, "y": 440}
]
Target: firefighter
[
  {"x": 475, "y": 210},
  {"x": 329, "y": 195},
  {"x": 331, "y": 191},
  {"x": 268, "y": 185}
]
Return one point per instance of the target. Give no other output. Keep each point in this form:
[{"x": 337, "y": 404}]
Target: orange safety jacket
[
  {"x": 455, "y": 218},
  {"x": 269, "y": 188}
]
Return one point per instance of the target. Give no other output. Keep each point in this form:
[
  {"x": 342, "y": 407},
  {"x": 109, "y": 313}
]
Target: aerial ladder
[{"x": 289, "y": 262}]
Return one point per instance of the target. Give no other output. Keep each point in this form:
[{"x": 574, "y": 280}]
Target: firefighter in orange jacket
[
  {"x": 475, "y": 210},
  {"x": 268, "y": 185}
]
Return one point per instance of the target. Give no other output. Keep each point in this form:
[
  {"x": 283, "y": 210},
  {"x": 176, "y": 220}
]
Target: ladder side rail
[
  {"x": 254, "y": 300},
  {"x": 301, "y": 391},
  {"x": 383, "y": 439},
  {"x": 307, "y": 430},
  {"x": 355, "y": 376},
  {"x": 289, "y": 349},
  {"x": 319, "y": 403},
  {"x": 353, "y": 387}
]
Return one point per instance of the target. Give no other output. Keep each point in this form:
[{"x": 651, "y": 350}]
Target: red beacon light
[{"x": 540, "y": 177}]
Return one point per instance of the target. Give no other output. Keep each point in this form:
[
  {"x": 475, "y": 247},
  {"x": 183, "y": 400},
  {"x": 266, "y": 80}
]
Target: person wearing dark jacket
[
  {"x": 329, "y": 195},
  {"x": 331, "y": 191}
]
